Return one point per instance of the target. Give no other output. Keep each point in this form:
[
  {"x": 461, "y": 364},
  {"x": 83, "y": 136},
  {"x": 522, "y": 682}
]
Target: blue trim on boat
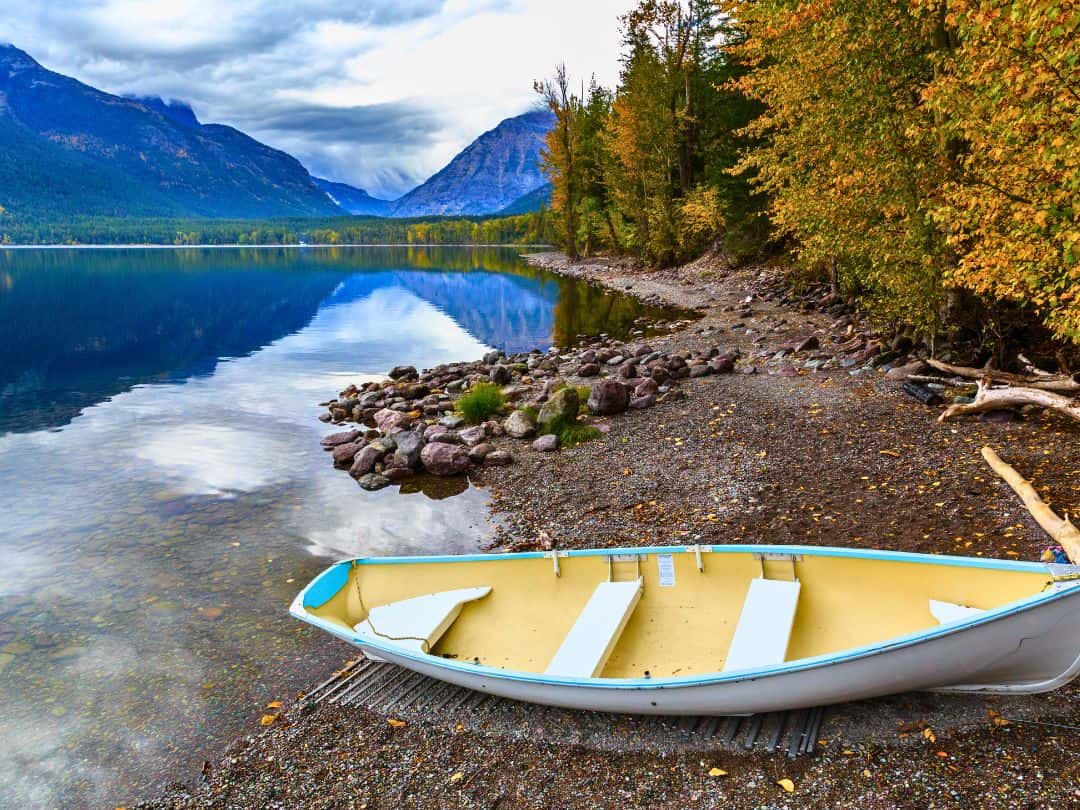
[
  {"x": 711, "y": 678},
  {"x": 325, "y": 585},
  {"x": 816, "y": 551}
]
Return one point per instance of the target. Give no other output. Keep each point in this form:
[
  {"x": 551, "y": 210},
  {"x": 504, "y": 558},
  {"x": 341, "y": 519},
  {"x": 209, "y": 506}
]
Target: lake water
[{"x": 163, "y": 494}]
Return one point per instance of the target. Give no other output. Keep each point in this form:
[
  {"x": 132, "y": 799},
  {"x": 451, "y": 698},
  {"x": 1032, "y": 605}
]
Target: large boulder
[
  {"x": 364, "y": 461},
  {"x": 343, "y": 454},
  {"x": 520, "y": 425},
  {"x": 562, "y": 404},
  {"x": 403, "y": 373},
  {"x": 334, "y": 439},
  {"x": 546, "y": 444},
  {"x": 392, "y": 421},
  {"x": 409, "y": 445},
  {"x": 608, "y": 397},
  {"x": 440, "y": 458},
  {"x": 473, "y": 436}
]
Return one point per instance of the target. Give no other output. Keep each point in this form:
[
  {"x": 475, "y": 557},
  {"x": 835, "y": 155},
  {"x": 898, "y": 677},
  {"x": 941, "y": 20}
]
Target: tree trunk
[{"x": 1061, "y": 530}]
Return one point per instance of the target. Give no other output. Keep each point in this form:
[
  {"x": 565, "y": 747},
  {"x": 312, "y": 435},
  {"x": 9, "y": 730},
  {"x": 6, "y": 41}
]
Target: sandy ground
[{"x": 784, "y": 455}]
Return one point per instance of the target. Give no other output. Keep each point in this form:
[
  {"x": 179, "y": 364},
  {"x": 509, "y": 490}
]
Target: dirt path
[{"x": 788, "y": 454}]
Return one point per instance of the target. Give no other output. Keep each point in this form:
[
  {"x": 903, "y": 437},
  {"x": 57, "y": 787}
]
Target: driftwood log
[
  {"x": 1061, "y": 530},
  {"x": 1043, "y": 380},
  {"x": 995, "y": 399}
]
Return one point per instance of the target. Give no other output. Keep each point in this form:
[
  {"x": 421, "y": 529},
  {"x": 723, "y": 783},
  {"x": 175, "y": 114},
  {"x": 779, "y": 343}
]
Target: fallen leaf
[
  {"x": 394, "y": 723},
  {"x": 892, "y": 453},
  {"x": 866, "y": 773},
  {"x": 996, "y": 718},
  {"x": 786, "y": 784},
  {"x": 929, "y": 734},
  {"x": 267, "y": 719},
  {"x": 943, "y": 754},
  {"x": 457, "y": 777},
  {"x": 274, "y": 704},
  {"x": 717, "y": 772}
]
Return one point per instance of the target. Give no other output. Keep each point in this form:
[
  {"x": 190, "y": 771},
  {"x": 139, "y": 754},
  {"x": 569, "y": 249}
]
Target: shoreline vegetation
[
  {"x": 518, "y": 229},
  {"x": 721, "y": 456}
]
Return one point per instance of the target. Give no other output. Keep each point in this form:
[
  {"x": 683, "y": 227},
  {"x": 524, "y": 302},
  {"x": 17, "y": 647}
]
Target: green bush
[{"x": 481, "y": 402}]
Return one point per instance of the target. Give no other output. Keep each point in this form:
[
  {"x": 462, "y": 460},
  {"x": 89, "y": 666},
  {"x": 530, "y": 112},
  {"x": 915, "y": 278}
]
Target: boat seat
[
  {"x": 417, "y": 624},
  {"x": 764, "y": 628},
  {"x": 586, "y": 648},
  {"x": 946, "y": 612}
]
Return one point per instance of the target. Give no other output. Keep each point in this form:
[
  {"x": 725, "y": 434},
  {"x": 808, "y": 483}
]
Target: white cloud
[{"x": 426, "y": 76}]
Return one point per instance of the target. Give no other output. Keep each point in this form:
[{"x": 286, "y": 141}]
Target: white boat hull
[{"x": 1029, "y": 646}]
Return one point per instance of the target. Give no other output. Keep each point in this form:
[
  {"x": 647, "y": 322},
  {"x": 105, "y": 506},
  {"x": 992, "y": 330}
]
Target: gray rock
[
  {"x": 588, "y": 370},
  {"x": 701, "y": 371},
  {"x": 608, "y": 397},
  {"x": 364, "y": 461},
  {"x": 373, "y": 481},
  {"x": 473, "y": 436},
  {"x": 809, "y": 344},
  {"x": 334, "y": 439},
  {"x": 546, "y": 444},
  {"x": 447, "y": 437},
  {"x": 520, "y": 425},
  {"x": 402, "y": 372},
  {"x": 646, "y": 388},
  {"x": 390, "y": 422},
  {"x": 500, "y": 458},
  {"x": 481, "y": 451},
  {"x": 409, "y": 445},
  {"x": 343, "y": 454},
  {"x": 500, "y": 375},
  {"x": 431, "y": 431},
  {"x": 397, "y": 474},
  {"x": 563, "y": 404},
  {"x": 491, "y": 358},
  {"x": 640, "y": 403},
  {"x": 452, "y": 421},
  {"x": 440, "y": 458}
]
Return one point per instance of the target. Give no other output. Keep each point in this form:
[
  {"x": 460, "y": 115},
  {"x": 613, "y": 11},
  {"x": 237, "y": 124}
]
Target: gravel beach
[{"x": 806, "y": 441}]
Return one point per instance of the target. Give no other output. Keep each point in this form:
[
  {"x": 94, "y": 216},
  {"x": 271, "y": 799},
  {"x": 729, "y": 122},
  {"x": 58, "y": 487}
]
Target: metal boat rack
[{"x": 388, "y": 689}]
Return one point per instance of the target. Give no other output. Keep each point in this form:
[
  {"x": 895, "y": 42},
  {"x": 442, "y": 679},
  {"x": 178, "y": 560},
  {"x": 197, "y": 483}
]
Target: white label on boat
[{"x": 666, "y": 562}]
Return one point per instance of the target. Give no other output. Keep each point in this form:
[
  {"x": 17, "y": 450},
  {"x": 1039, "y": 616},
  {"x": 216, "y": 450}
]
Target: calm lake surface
[{"x": 163, "y": 494}]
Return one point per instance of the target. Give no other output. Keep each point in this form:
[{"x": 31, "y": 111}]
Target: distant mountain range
[{"x": 68, "y": 149}]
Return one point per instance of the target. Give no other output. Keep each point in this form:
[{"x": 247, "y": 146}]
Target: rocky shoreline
[{"x": 807, "y": 438}]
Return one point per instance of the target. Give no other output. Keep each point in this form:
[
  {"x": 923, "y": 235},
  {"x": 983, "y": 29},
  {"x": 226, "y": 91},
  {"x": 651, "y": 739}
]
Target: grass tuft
[
  {"x": 481, "y": 402},
  {"x": 570, "y": 432}
]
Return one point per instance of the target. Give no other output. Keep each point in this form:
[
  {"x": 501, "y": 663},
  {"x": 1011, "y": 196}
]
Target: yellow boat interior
[{"x": 665, "y": 614}]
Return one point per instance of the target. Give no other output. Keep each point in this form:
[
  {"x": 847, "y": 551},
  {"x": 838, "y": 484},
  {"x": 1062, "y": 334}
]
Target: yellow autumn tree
[
  {"x": 846, "y": 149},
  {"x": 1010, "y": 94}
]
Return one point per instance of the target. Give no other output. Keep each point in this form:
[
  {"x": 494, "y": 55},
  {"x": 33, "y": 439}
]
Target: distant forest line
[{"x": 531, "y": 228}]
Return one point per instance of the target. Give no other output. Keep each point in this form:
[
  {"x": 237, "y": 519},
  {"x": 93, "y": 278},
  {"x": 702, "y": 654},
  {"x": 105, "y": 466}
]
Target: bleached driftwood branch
[
  {"x": 1042, "y": 380},
  {"x": 1061, "y": 530},
  {"x": 995, "y": 399}
]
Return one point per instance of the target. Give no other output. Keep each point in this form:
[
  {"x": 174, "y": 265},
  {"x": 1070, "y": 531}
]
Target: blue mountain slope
[
  {"x": 354, "y": 200},
  {"x": 491, "y": 173},
  {"x": 69, "y": 149}
]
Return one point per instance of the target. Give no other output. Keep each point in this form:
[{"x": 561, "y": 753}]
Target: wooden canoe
[{"x": 708, "y": 629}]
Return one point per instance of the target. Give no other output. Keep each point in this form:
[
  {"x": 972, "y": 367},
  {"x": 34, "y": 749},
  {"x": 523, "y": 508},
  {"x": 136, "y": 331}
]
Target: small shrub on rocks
[{"x": 481, "y": 402}]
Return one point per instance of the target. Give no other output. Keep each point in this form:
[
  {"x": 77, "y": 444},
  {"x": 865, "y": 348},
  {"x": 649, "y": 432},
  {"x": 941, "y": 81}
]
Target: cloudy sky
[{"x": 378, "y": 93}]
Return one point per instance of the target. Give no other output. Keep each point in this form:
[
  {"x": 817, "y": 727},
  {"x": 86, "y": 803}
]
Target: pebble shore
[{"x": 797, "y": 432}]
